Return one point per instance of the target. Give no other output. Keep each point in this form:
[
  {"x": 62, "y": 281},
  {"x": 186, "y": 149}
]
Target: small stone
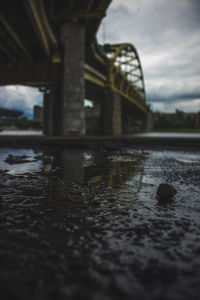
[{"x": 165, "y": 191}]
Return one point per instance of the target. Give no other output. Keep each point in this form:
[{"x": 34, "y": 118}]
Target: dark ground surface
[{"x": 86, "y": 224}]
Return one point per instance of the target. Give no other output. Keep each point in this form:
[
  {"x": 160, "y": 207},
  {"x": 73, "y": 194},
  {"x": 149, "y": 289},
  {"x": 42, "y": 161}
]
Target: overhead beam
[
  {"x": 79, "y": 16},
  {"x": 47, "y": 26},
  {"x": 96, "y": 80},
  {"x": 35, "y": 13},
  {"x": 101, "y": 59},
  {"x": 52, "y": 4},
  {"x": 87, "y": 15},
  {"x": 41, "y": 73},
  {"x": 14, "y": 36},
  {"x": 8, "y": 53},
  {"x": 64, "y": 13}
]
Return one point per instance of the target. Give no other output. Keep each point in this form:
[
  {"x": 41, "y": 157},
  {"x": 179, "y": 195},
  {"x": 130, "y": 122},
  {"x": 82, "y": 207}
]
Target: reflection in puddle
[
  {"x": 19, "y": 168},
  {"x": 98, "y": 167},
  {"x": 76, "y": 166},
  {"x": 79, "y": 224}
]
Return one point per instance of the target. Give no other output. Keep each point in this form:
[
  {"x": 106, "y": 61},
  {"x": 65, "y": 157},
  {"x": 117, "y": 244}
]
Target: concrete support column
[
  {"x": 148, "y": 122},
  {"x": 111, "y": 114},
  {"x": 72, "y": 79},
  {"x": 46, "y": 112},
  {"x": 51, "y": 112}
]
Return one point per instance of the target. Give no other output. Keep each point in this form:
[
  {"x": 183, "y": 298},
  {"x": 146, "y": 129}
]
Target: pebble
[{"x": 165, "y": 191}]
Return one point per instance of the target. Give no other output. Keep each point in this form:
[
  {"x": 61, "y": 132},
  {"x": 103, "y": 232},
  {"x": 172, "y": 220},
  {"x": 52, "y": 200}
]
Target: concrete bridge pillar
[
  {"x": 51, "y": 112},
  {"x": 45, "y": 114},
  {"x": 111, "y": 114},
  {"x": 147, "y": 124},
  {"x": 72, "y": 85}
]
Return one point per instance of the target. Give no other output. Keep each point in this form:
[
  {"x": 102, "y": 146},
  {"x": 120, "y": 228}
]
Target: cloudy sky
[
  {"x": 166, "y": 34},
  {"x": 20, "y": 97}
]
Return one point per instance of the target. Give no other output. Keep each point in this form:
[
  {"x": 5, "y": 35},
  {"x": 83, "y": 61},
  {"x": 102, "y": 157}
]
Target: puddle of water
[
  {"x": 87, "y": 225},
  {"x": 22, "y": 168}
]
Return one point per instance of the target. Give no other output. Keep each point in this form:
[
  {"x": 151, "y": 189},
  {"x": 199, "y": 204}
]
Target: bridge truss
[{"x": 125, "y": 73}]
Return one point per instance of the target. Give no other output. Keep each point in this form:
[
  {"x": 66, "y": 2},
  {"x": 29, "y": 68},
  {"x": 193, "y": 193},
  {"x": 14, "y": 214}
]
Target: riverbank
[
  {"x": 152, "y": 140},
  {"x": 182, "y": 130}
]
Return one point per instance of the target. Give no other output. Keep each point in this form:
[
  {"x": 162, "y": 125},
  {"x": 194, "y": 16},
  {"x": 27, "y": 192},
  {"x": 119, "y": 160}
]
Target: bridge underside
[{"x": 51, "y": 45}]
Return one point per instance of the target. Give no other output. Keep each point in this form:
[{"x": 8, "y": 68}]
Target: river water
[
  {"x": 21, "y": 132},
  {"x": 146, "y": 135},
  {"x": 83, "y": 224},
  {"x": 174, "y": 135}
]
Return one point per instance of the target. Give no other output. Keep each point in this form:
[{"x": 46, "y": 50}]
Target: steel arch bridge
[
  {"x": 125, "y": 74},
  {"x": 34, "y": 53}
]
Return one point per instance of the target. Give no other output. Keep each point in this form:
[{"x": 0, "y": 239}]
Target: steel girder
[{"x": 125, "y": 73}]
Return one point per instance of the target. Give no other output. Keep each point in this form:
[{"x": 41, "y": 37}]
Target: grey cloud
[
  {"x": 173, "y": 98},
  {"x": 120, "y": 10},
  {"x": 154, "y": 22},
  {"x": 166, "y": 34},
  {"x": 20, "y": 97},
  {"x": 189, "y": 96}
]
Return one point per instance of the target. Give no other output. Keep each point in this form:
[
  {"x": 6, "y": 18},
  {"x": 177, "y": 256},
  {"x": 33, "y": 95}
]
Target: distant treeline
[
  {"x": 6, "y": 112},
  {"x": 178, "y": 120},
  {"x": 24, "y": 123}
]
